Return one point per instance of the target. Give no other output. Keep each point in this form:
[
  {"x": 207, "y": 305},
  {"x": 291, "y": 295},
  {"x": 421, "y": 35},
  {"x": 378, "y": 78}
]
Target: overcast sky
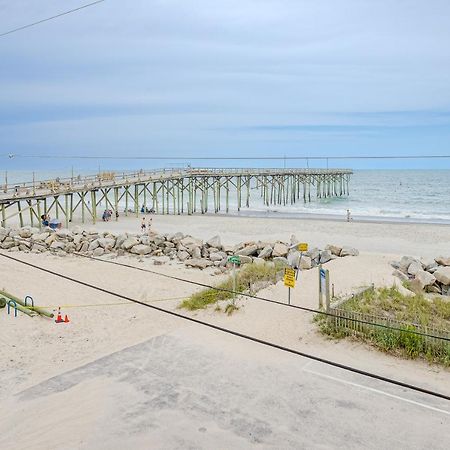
[{"x": 236, "y": 78}]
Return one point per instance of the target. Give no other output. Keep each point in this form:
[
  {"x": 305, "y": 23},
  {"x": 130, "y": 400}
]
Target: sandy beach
[{"x": 37, "y": 349}]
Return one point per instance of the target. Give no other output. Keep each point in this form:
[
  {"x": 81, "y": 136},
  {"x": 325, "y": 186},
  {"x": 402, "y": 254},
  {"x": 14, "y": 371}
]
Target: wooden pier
[{"x": 172, "y": 191}]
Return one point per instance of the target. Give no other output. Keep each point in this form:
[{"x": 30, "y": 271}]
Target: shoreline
[{"x": 328, "y": 217}]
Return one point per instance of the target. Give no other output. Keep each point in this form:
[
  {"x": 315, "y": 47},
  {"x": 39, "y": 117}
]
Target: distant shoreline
[{"x": 273, "y": 214}]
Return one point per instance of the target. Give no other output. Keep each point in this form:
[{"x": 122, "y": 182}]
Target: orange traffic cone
[
  {"x": 59, "y": 319},
  {"x": 66, "y": 319}
]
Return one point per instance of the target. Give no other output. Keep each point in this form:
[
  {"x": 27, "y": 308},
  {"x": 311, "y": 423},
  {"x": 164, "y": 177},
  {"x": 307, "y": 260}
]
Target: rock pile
[
  {"x": 424, "y": 275},
  {"x": 164, "y": 247}
]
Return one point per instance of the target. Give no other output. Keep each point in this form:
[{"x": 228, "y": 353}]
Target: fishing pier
[{"x": 166, "y": 191}]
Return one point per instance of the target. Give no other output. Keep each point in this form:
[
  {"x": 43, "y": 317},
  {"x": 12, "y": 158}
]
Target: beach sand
[{"x": 36, "y": 349}]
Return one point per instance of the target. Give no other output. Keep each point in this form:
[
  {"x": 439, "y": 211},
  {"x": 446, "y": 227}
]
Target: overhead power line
[
  {"x": 224, "y": 158},
  {"x": 50, "y": 18},
  {"x": 238, "y": 334}
]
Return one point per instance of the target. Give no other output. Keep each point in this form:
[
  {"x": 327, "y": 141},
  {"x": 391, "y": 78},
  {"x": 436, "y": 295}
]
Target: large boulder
[
  {"x": 305, "y": 263},
  {"x": 57, "y": 245},
  {"x": 424, "y": 278},
  {"x": 218, "y": 256},
  {"x": 325, "y": 256},
  {"x": 214, "y": 242},
  {"x": 25, "y": 233},
  {"x": 107, "y": 243},
  {"x": 349, "y": 251},
  {"x": 63, "y": 233},
  {"x": 398, "y": 273},
  {"x": 141, "y": 249},
  {"x": 405, "y": 262},
  {"x": 99, "y": 251},
  {"x": 182, "y": 255},
  {"x": 280, "y": 261},
  {"x": 199, "y": 263},
  {"x": 93, "y": 245},
  {"x": 280, "y": 249},
  {"x": 129, "y": 243},
  {"x": 414, "y": 267},
  {"x": 249, "y": 250},
  {"x": 443, "y": 261},
  {"x": 442, "y": 274},
  {"x": 189, "y": 240},
  {"x": 120, "y": 240},
  {"x": 266, "y": 252},
  {"x": 334, "y": 249}
]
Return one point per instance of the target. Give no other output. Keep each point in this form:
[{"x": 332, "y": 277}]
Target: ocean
[{"x": 384, "y": 195}]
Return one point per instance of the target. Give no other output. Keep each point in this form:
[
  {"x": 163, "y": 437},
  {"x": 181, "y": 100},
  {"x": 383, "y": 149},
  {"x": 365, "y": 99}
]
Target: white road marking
[{"x": 340, "y": 380}]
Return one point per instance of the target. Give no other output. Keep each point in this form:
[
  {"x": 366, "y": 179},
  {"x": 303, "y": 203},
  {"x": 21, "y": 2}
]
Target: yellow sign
[
  {"x": 289, "y": 277},
  {"x": 302, "y": 247}
]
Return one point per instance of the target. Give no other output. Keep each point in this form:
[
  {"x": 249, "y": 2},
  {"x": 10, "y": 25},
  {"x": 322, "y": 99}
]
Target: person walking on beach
[
  {"x": 349, "y": 216},
  {"x": 149, "y": 224},
  {"x": 143, "y": 225}
]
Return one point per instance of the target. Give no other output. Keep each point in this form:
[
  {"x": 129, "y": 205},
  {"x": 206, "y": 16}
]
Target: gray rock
[
  {"x": 63, "y": 233},
  {"x": 442, "y": 274},
  {"x": 259, "y": 261},
  {"x": 249, "y": 250},
  {"x": 349, "y": 251},
  {"x": 189, "y": 240},
  {"x": 314, "y": 254},
  {"x": 25, "y": 233},
  {"x": 38, "y": 248},
  {"x": 266, "y": 252},
  {"x": 280, "y": 249},
  {"x": 84, "y": 247},
  {"x": 405, "y": 262},
  {"x": 293, "y": 258},
  {"x": 334, "y": 249},
  {"x": 199, "y": 263},
  {"x": 99, "y": 251},
  {"x": 57, "y": 245},
  {"x": 280, "y": 261},
  {"x": 120, "y": 240},
  {"x": 70, "y": 247},
  {"x": 443, "y": 261},
  {"x": 246, "y": 260},
  {"x": 305, "y": 263},
  {"x": 424, "y": 278},
  {"x": 196, "y": 253},
  {"x": 183, "y": 255},
  {"x": 141, "y": 249},
  {"x": 325, "y": 256},
  {"x": 414, "y": 267},
  {"x": 93, "y": 245},
  {"x": 107, "y": 243},
  {"x": 434, "y": 289},
  {"x": 217, "y": 256},
  {"x": 129, "y": 243},
  {"x": 399, "y": 274},
  {"x": 214, "y": 242}
]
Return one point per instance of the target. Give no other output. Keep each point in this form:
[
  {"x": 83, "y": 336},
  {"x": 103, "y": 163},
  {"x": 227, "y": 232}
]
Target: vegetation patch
[
  {"x": 250, "y": 278},
  {"x": 388, "y": 306}
]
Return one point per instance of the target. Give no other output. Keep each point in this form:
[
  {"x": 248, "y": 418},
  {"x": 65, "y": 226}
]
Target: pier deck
[{"x": 166, "y": 191}]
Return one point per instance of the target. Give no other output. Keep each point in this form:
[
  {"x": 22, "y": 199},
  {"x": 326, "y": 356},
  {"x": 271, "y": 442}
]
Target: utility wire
[
  {"x": 226, "y": 158},
  {"x": 50, "y": 18},
  {"x": 241, "y": 335},
  {"x": 255, "y": 297}
]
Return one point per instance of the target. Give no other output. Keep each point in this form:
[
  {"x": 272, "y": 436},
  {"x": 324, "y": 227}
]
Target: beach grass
[
  {"x": 250, "y": 278},
  {"x": 409, "y": 313}
]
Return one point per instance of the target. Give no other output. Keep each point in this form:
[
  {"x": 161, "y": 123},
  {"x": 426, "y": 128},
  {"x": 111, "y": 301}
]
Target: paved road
[{"x": 202, "y": 389}]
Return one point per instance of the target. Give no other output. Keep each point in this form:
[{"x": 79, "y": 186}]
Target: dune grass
[
  {"x": 389, "y": 303},
  {"x": 247, "y": 279}
]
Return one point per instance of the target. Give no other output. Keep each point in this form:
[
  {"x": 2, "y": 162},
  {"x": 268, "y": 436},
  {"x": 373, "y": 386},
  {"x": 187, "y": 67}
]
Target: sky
[{"x": 232, "y": 78}]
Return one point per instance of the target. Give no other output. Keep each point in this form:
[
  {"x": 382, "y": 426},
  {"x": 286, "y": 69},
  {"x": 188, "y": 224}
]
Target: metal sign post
[
  {"x": 324, "y": 287},
  {"x": 235, "y": 259},
  {"x": 289, "y": 281}
]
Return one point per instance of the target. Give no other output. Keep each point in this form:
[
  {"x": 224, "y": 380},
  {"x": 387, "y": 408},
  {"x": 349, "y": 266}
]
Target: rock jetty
[
  {"x": 431, "y": 275},
  {"x": 162, "y": 248}
]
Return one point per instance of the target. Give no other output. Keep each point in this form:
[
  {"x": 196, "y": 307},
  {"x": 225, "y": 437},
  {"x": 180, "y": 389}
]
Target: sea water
[{"x": 399, "y": 195}]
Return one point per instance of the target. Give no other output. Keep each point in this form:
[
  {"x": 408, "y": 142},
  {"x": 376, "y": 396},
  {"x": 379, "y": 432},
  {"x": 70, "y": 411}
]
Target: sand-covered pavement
[{"x": 35, "y": 350}]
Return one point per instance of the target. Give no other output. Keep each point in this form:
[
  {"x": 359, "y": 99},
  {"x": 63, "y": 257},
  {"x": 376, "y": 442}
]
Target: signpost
[
  {"x": 289, "y": 281},
  {"x": 302, "y": 247},
  {"x": 235, "y": 259},
  {"x": 324, "y": 287}
]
